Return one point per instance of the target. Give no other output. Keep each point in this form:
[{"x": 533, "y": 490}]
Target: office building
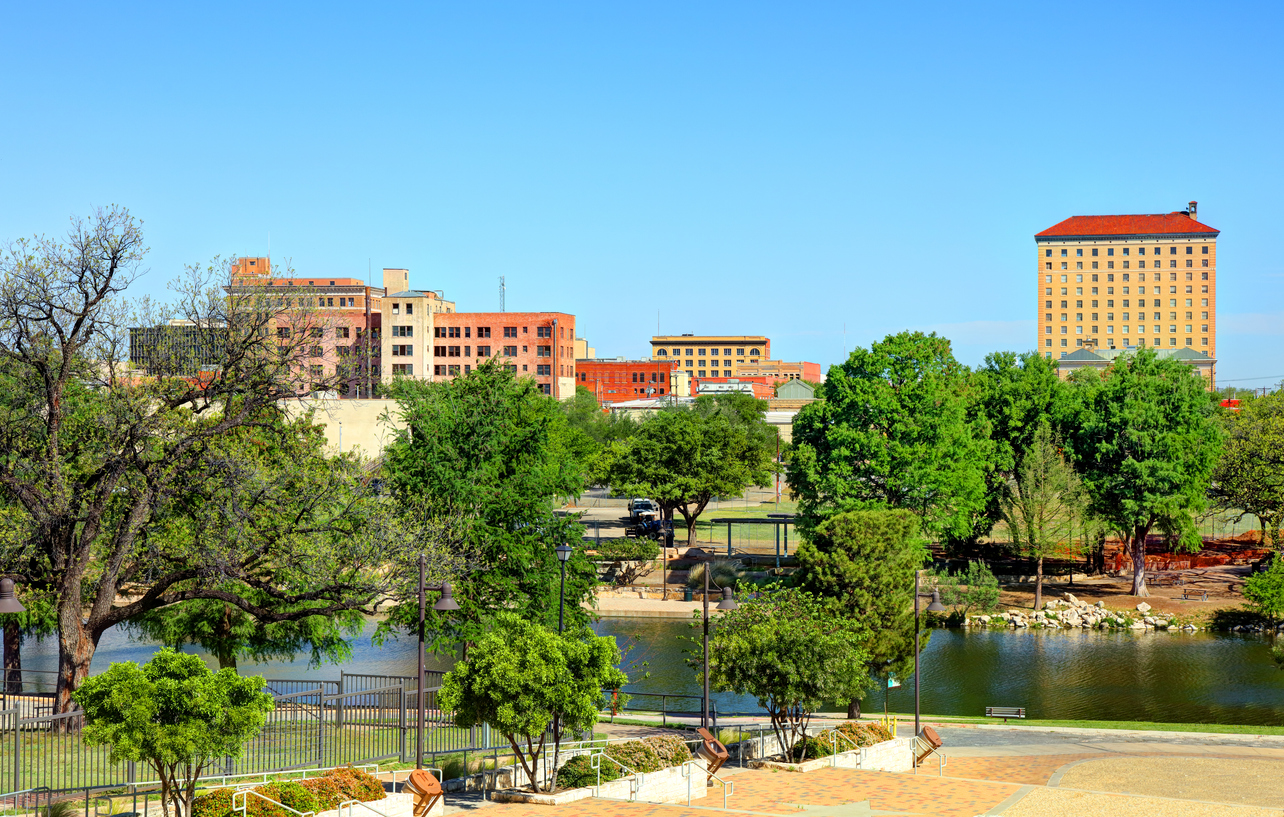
[{"x": 618, "y": 380}]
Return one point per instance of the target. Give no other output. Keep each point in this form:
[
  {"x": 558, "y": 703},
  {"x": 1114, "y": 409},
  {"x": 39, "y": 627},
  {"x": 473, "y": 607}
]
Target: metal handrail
[
  {"x": 728, "y": 786},
  {"x": 635, "y": 785},
  {"x": 244, "y": 794},
  {"x": 833, "y": 746},
  {"x": 941, "y": 759},
  {"x": 363, "y": 804}
]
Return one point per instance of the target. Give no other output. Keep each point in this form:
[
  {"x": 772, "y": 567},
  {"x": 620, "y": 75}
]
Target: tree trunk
[
  {"x": 13, "y": 656},
  {"x": 691, "y": 532},
  {"x": 75, "y": 649},
  {"x": 853, "y": 709},
  {"x": 1139, "y": 562},
  {"x": 1038, "y": 583}
]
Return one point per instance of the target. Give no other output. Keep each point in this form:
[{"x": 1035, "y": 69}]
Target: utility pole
[{"x": 501, "y": 293}]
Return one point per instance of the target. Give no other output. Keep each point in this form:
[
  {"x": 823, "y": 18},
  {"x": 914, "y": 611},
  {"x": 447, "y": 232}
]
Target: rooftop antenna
[{"x": 501, "y": 293}]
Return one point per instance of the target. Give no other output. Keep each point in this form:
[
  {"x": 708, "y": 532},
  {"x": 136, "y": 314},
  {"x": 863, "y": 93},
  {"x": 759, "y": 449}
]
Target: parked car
[{"x": 641, "y": 508}]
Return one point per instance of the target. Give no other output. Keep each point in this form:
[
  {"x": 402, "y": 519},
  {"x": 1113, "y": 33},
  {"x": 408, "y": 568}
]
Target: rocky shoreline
[{"x": 1072, "y": 613}]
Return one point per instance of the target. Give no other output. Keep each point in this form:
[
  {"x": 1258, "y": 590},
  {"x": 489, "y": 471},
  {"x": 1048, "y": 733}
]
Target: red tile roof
[{"x": 1157, "y": 224}]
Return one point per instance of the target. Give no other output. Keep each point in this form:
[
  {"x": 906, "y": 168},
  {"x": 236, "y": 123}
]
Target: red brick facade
[
  {"x": 763, "y": 387},
  {"x": 540, "y": 345},
  {"x": 614, "y": 381}
]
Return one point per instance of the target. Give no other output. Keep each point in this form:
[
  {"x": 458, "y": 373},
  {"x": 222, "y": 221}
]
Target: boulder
[
  {"x": 1143, "y": 608},
  {"x": 1070, "y": 597},
  {"x": 1100, "y": 604}
]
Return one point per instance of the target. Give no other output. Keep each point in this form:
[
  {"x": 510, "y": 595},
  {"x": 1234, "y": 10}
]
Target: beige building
[
  {"x": 1115, "y": 282},
  {"x": 711, "y": 355},
  {"x": 407, "y": 320}
]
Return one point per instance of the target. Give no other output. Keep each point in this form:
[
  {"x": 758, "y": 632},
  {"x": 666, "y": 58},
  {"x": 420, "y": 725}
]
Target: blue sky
[{"x": 787, "y": 169}]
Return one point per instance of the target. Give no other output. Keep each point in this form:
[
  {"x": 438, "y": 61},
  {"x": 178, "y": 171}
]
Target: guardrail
[{"x": 244, "y": 794}]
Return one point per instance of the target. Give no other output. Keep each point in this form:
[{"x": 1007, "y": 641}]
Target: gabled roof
[
  {"x": 1083, "y": 354},
  {"x": 1177, "y": 223}
]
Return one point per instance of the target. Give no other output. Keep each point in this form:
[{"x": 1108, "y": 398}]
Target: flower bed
[
  {"x": 316, "y": 794},
  {"x": 659, "y": 760}
]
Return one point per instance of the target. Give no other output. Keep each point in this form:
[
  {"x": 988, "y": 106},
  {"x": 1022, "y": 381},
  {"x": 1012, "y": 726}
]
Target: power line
[{"x": 1242, "y": 379}]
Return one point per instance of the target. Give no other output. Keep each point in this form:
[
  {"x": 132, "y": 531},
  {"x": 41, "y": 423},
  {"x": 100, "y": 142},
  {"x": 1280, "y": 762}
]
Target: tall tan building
[
  {"x": 1114, "y": 282},
  {"x": 711, "y": 355}
]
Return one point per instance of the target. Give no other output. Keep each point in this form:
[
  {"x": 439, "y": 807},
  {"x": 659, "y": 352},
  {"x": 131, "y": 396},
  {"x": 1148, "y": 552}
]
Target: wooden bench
[
  {"x": 1192, "y": 593},
  {"x": 1005, "y": 712}
]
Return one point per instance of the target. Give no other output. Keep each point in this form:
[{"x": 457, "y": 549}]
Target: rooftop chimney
[{"x": 1192, "y": 212}]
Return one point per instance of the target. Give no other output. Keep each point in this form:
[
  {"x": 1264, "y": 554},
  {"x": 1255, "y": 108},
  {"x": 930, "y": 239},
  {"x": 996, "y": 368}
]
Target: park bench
[
  {"x": 1192, "y": 593},
  {"x": 1005, "y": 712}
]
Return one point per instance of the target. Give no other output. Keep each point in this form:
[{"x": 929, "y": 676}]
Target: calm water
[
  {"x": 1161, "y": 677},
  {"x": 1199, "y": 677}
]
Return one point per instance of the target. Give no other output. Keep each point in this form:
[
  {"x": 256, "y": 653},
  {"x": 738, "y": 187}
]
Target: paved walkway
[{"x": 1017, "y": 772}]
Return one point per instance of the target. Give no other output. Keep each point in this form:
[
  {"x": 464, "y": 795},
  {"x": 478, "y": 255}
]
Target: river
[{"x": 1054, "y": 674}]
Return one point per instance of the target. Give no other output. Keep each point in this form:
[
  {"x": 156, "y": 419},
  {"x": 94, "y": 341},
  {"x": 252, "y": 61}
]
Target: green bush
[
  {"x": 577, "y": 772},
  {"x": 325, "y": 790},
  {"x": 355, "y": 784},
  {"x": 214, "y": 803},
  {"x": 810, "y": 748},
  {"x": 865, "y": 733},
  {"x": 671, "y": 749},
  {"x": 637, "y": 755}
]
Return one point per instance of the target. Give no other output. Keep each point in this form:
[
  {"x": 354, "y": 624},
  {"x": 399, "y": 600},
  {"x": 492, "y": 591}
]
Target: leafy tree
[
  {"x": 229, "y": 633},
  {"x": 490, "y": 451},
  {"x": 1041, "y": 502},
  {"x": 682, "y": 459},
  {"x": 973, "y": 588},
  {"x": 520, "y": 677},
  {"x": 627, "y": 560},
  {"x": 174, "y": 714},
  {"x": 1015, "y": 394},
  {"x": 893, "y": 430},
  {"x": 1146, "y": 443},
  {"x": 865, "y": 561},
  {"x": 108, "y": 465},
  {"x": 1250, "y": 474},
  {"x": 743, "y": 410},
  {"x": 1265, "y": 592},
  {"x": 792, "y": 652}
]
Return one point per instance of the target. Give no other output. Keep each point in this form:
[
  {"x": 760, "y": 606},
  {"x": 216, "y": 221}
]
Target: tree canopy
[
  {"x": 893, "y": 430},
  {"x": 790, "y": 651},
  {"x": 1250, "y": 474},
  {"x": 1145, "y": 442},
  {"x": 520, "y": 677},
  {"x": 489, "y": 451},
  {"x": 684, "y": 458},
  {"x": 864, "y": 561},
  {"x": 174, "y": 714}
]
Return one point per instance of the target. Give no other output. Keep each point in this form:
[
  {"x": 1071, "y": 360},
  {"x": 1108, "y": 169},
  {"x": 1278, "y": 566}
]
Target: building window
[
  {"x": 402, "y": 369},
  {"x": 510, "y": 351},
  {"x": 543, "y": 331},
  {"x": 1063, "y": 252},
  {"x": 1079, "y": 252},
  {"x": 1078, "y": 265},
  {"x": 1094, "y": 264},
  {"x": 1064, "y": 341},
  {"x": 403, "y": 331},
  {"x": 1047, "y": 253},
  {"x": 483, "y": 331},
  {"x": 662, "y": 353},
  {"x": 700, "y": 352},
  {"x": 451, "y": 351},
  {"x": 483, "y": 351},
  {"x": 510, "y": 331},
  {"x": 1063, "y": 265},
  {"x": 402, "y": 350},
  {"x": 701, "y": 373},
  {"x": 754, "y": 353},
  {"x": 543, "y": 351},
  {"x": 543, "y": 370}
]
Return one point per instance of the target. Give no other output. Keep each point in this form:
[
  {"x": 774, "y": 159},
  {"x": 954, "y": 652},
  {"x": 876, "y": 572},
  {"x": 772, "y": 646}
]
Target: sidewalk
[{"x": 623, "y": 607}]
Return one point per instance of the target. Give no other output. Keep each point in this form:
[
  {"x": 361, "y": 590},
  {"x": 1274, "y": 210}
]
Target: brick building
[
  {"x": 618, "y": 380},
  {"x": 760, "y": 387},
  {"x": 780, "y": 371},
  {"x": 540, "y": 345}
]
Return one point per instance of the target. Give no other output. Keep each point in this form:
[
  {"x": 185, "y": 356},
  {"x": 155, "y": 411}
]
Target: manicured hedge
[{"x": 316, "y": 794}]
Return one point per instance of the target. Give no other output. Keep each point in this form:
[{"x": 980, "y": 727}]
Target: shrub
[
  {"x": 637, "y": 755},
  {"x": 354, "y": 784},
  {"x": 671, "y": 749},
  {"x": 325, "y": 790},
  {"x": 810, "y": 748},
  {"x": 865, "y": 733},
  {"x": 577, "y": 772},
  {"x": 214, "y": 803}
]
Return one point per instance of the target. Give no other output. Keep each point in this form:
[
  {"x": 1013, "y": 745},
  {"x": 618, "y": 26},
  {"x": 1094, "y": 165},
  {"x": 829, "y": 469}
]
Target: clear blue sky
[{"x": 785, "y": 169}]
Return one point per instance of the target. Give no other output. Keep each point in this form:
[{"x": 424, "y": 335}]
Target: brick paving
[{"x": 1033, "y": 770}]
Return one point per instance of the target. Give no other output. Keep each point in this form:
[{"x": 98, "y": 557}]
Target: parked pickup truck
[{"x": 643, "y": 509}]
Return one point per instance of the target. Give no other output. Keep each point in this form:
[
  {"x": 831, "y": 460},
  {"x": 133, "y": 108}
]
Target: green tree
[
  {"x": 1250, "y": 474},
  {"x": 893, "y": 430},
  {"x": 1041, "y": 502},
  {"x": 865, "y": 561},
  {"x": 109, "y": 465},
  {"x": 792, "y": 652},
  {"x": 488, "y": 449},
  {"x": 682, "y": 459},
  {"x": 174, "y": 714},
  {"x": 975, "y": 588},
  {"x": 521, "y": 677},
  {"x": 1265, "y": 592},
  {"x": 1145, "y": 442},
  {"x": 230, "y": 634},
  {"x": 1016, "y": 393}
]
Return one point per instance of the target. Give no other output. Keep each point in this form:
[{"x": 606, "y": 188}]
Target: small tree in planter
[
  {"x": 175, "y": 714},
  {"x": 523, "y": 678},
  {"x": 792, "y": 652}
]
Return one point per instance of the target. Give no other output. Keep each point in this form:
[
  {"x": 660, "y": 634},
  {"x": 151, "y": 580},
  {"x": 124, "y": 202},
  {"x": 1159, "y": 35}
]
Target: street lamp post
[
  {"x": 728, "y": 603},
  {"x": 446, "y": 602},
  {"x": 563, "y": 553},
  {"x": 934, "y": 607},
  {"x": 9, "y": 604}
]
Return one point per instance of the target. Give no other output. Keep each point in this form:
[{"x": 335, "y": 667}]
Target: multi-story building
[
  {"x": 780, "y": 371},
  {"x": 540, "y": 345},
  {"x": 1114, "y": 282},
  {"x": 759, "y": 387},
  {"x": 617, "y": 380},
  {"x": 711, "y": 355}
]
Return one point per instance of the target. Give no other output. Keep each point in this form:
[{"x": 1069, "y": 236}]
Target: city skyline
[{"x": 823, "y": 176}]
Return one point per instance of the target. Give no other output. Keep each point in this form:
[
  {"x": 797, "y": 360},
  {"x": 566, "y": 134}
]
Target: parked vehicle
[{"x": 642, "y": 508}]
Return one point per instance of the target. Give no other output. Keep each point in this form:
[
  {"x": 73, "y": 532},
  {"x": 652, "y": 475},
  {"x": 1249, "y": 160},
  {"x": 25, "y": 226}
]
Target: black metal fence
[{"x": 357, "y": 719}]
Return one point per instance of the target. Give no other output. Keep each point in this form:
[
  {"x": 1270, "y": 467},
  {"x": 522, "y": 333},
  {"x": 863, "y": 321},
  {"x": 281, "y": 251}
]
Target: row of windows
[
  {"x": 1110, "y": 277},
  {"x": 319, "y": 332},
  {"x": 726, "y": 352},
  {"x": 711, "y": 373},
  {"x": 1140, "y": 341},
  {"x": 1110, "y": 303},
  {"x": 330, "y": 302},
  {"x": 482, "y": 331},
  {"x": 618, "y": 377},
  {"x": 1123, "y": 329},
  {"x": 1110, "y": 316},
  {"x": 1190, "y": 250},
  {"x": 1172, "y": 290},
  {"x": 453, "y": 351},
  {"x": 340, "y": 351},
  {"x": 1140, "y": 264},
  {"x": 317, "y": 372}
]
